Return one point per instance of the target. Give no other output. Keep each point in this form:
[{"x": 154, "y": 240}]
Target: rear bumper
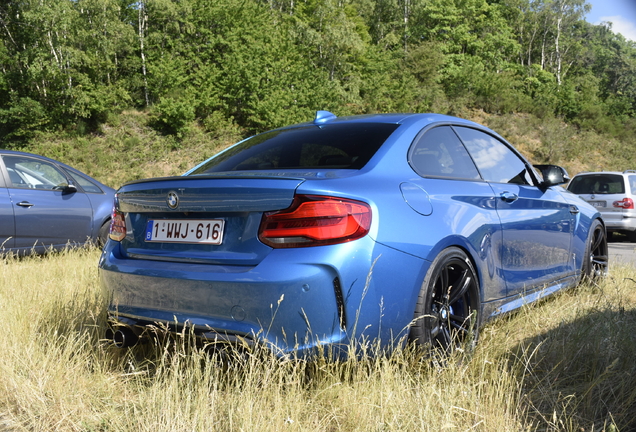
[
  {"x": 625, "y": 222},
  {"x": 294, "y": 300}
]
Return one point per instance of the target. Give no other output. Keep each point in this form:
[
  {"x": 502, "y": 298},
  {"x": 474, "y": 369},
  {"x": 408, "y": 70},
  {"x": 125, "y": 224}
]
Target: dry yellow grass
[{"x": 563, "y": 365}]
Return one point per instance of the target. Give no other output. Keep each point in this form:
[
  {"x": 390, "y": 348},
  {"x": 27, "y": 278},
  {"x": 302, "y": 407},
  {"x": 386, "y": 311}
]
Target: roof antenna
[{"x": 323, "y": 117}]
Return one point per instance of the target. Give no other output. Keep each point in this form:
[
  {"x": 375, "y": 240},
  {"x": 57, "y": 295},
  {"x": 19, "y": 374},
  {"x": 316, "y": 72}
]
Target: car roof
[
  {"x": 606, "y": 172},
  {"x": 21, "y": 153},
  {"x": 406, "y": 123},
  {"x": 325, "y": 117},
  {"x": 420, "y": 120}
]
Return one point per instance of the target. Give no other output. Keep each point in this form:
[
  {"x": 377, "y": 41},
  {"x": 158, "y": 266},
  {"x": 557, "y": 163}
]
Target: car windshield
[
  {"x": 597, "y": 184},
  {"x": 338, "y": 146}
]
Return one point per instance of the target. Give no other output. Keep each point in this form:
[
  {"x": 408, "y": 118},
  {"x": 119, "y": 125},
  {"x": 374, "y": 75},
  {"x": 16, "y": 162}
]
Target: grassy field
[{"x": 566, "y": 364}]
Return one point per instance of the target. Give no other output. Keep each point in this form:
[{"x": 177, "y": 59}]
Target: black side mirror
[
  {"x": 66, "y": 188},
  {"x": 553, "y": 175}
]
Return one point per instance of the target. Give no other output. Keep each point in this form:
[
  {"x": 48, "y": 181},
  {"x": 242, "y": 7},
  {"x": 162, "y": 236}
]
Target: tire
[
  {"x": 102, "y": 235},
  {"x": 448, "y": 309},
  {"x": 595, "y": 259}
]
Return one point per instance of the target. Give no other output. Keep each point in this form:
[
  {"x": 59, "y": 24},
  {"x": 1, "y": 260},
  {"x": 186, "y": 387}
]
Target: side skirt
[{"x": 496, "y": 308}]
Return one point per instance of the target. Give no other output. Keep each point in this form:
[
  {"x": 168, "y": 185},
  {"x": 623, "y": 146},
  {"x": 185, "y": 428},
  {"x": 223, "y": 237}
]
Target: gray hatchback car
[{"x": 613, "y": 194}]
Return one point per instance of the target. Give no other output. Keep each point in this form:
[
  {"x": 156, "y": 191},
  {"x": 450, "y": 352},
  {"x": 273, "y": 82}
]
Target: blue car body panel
[
  {"x": 35, "y": 220},
  {"x": 7, "y": 219},
  {"x": 524, "y": 241},
  {"x": 54, "y": 219},
  {"x": 287, "y": 299}
]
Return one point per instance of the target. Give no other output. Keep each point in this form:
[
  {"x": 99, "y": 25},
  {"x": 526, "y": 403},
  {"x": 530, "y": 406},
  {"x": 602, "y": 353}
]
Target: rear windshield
[
  {"x": 597, "y": 184},
  {"x": 339, "y": 146}
]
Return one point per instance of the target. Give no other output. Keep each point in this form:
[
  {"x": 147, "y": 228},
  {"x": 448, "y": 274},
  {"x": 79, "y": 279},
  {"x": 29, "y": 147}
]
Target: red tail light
[
  {"x": 117, "y": 230},
  {"x": 626, "y": 203},
  {"x": 314, "y": 221}
]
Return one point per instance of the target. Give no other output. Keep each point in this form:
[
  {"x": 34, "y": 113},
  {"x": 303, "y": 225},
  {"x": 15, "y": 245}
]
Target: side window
[
  {"x": 632, "y": 184},
  {"x": 85, "y": 183},
  {"x": 439, "y": 153},
  {"x": 30, "y": 173},
  {"x": 496, "y": 162}
]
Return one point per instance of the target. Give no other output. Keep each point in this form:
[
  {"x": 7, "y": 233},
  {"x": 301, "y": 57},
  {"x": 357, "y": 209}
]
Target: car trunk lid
[{"x": 233, "y": 205}]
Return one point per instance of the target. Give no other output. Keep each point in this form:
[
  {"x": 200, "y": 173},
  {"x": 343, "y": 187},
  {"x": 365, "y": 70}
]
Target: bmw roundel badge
[{"x": 173, "y": 200}]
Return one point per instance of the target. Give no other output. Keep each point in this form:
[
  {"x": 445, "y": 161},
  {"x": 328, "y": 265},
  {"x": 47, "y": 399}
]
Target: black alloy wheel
[
  {"x": 596, "y": 252},
  {"x": 447, "y": 314}
]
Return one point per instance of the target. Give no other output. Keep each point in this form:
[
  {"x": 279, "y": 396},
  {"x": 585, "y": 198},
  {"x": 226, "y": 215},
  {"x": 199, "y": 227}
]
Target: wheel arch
[
  {"x": 471, "y": 252},
  {"x": 458, "y": 251},
  {"x": 104, "y": 224}
]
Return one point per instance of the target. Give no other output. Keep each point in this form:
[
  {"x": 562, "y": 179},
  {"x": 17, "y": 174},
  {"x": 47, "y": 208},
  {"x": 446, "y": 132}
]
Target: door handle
[
  {"x": 509, "y": 196},
  {"x": 574, "y": 209},
  {"x": 25, "y": 204}
]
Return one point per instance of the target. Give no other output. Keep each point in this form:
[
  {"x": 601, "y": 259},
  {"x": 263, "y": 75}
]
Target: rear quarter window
[
  {"x": 632, "y": 184},
  {"x": 440, "y": 153}
]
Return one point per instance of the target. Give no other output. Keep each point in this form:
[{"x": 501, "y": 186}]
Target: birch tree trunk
[{"x": 143, "y": 22}]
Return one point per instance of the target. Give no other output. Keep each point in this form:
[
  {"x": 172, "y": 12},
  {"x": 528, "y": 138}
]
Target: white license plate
[
  {"x": 205, "y": 231},
  {"x": 598, "y": 203}
]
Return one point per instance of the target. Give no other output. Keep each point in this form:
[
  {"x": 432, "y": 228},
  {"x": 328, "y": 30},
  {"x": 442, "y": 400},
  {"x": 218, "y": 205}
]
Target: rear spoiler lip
[
  {"x": 285, "y": 176},
  {"x": 297, "y": 174},
  {"x": 208, "y": 194}
]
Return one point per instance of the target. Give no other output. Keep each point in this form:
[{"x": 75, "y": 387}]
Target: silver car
[{"x": 613, "y": 194}]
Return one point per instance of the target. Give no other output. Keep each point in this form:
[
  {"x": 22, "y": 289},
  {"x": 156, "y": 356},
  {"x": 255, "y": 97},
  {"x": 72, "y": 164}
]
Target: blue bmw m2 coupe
[{"x": 387, "y": 228}]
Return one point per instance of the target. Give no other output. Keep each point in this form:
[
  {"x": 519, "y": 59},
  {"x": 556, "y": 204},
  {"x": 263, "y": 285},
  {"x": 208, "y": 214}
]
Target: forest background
[{"x": 127, "y": 89}]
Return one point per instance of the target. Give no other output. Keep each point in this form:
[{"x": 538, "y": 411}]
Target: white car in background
[{"x": 613, "y": 194}]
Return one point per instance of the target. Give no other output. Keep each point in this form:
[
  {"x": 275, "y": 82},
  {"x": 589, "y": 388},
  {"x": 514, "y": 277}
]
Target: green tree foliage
[
  {"x": 255, "y": 64},
  {"x": 61, "y": 63},
  {"x": 236, "y": 58}
]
